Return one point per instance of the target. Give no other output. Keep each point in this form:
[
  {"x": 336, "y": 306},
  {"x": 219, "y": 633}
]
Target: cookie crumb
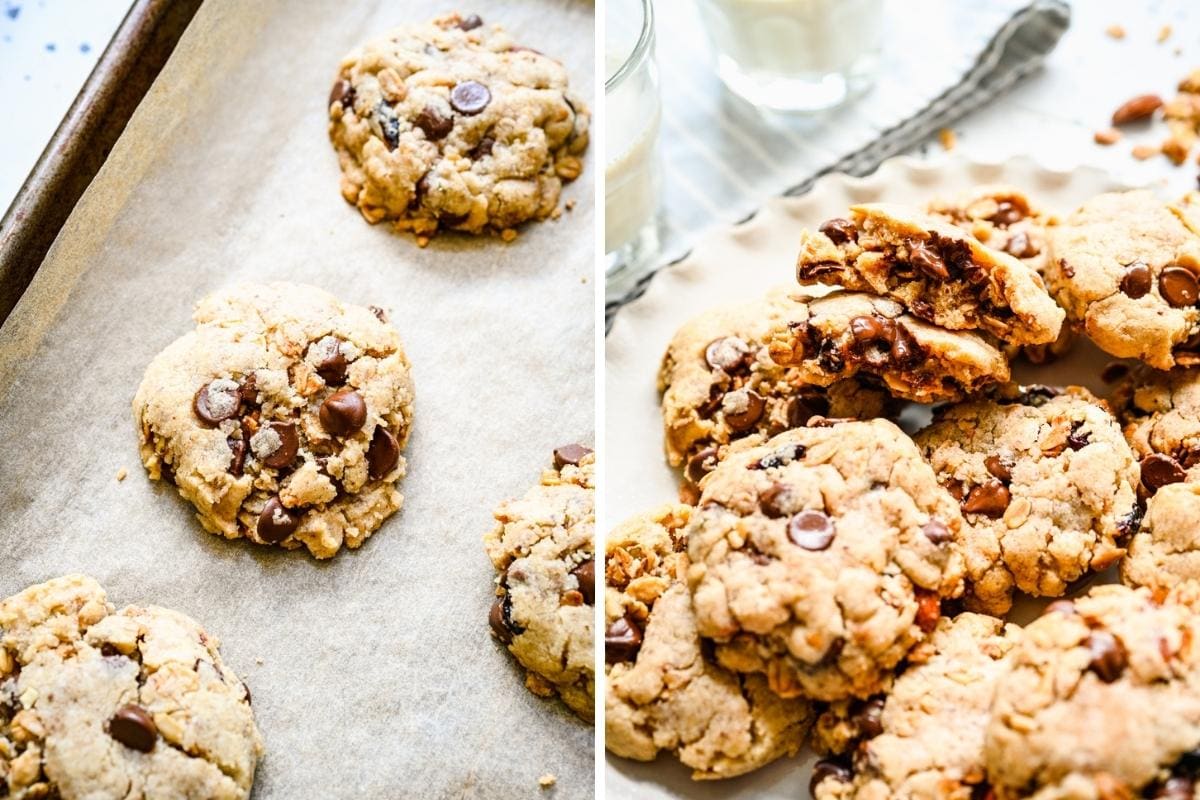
[
  {"x": 948, "y": 138},
  {"x": 122, "y": 473},
  {"x": 1164, "y": 33},
  {"x": 422, "y": 241},
  {"x": 570, "y": 205},
  {"x": 1115, "y": 31},
  {"x": 1107, "y": 136},
  {"x": 508, "y": 234},
  {"x": 1143, "y": 151},
  {"x": 547, "y": 780}
]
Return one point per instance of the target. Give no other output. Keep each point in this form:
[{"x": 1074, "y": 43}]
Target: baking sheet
[
  {"x": 374, "y": 674},
  {"x": 740, "y": 263}
]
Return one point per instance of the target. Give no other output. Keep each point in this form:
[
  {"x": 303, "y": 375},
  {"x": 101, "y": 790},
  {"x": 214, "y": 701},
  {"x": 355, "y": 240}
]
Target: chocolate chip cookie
[
  {"x": 451, "y": 124},
  {"x": 1166, "y": 550},
  {"x": 281, "y": 417},
  {"x": 719, "y": 384},
  {"x": 1161, "y": 414},
  {"x": 1102, "y": 700},
  {"x": 1047, "y": 486},
  {"x": 663, "y": 692},
  {"x": 541, "y": 547},
  {"x": 821, "y": 557},
  {"x": 926, "y": 738},
  {"x": 937, "y": 271},
  {"x": 104, "y": 704},
  {"x": 848, "y": 334},
  {"x": 1125, "y": 268}
]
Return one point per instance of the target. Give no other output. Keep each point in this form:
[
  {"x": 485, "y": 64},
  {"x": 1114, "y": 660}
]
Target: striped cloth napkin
[{"x": 721, "y": 157}]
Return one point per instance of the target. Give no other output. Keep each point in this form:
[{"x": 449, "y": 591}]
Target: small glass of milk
[
  {"x": 795, "y": 55},
  {"x": 632, "y": 109}
]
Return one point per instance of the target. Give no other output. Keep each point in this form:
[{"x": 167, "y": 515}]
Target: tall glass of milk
[
  {"x": 632, "y": 110},
  {"x": 795, "y": 55}
]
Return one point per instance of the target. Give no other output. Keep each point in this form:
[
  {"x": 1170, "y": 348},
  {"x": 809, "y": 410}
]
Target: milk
[{"x": 631, "y": 175}]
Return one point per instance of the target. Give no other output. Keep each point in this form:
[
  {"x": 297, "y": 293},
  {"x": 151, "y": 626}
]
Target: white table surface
[{"x": 47, "y": 51}]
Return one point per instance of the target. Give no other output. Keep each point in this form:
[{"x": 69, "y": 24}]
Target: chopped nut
[
  {"x": 508, "y": 234},
  {"x": 25, "y": 768},
  {"x": 1164, "y": 33},
  {"x": 569, "y": 205},
  {"x": 1143, "y": 151},
  {"x": 568, "y": 168},
  {"x": 547, "y": 780},
  {"x": 422, "y": 241},
  {"x": 947, "y": 138},
  {"x": 1175, "y": 150},
  {"x": 28, "y": 697},
  {"x": 27, "y": 726},
  {"x": 1191, "y": 83},
  {"x": 1017, "y": 512},
  {"x": 122, "y": 474},
  {"x": 1107, "y": 136},
  {"x": 1137, "y": 108},
  {"x": 1115, "y": 31}
]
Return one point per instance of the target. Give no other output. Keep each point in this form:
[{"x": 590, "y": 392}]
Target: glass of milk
[
  {"x": 795, "y": 55},
  {"x": 632, "y": 109}
]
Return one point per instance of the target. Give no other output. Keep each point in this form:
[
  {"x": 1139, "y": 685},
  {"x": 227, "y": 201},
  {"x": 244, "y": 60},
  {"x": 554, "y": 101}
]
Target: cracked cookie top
[
  {"x": 281, "y": 417},
  {"x": 940, "y": 273},
  {"x": 541, "y": 546},
  {"x": 1102, "y": 700},
  {"x": 105, "y": 704},
  {"x": 452, "y": 124},
  {"x": 663, "y": 692},
  {"x": 1047, "y": 484},
  {"x": 821, "y": 557},
  {"x": 925, "y": 739},
  {"x": 1125, "y": 268},
  {"x": 719, "y": 384},
  {"x": 847, "y": 334}
]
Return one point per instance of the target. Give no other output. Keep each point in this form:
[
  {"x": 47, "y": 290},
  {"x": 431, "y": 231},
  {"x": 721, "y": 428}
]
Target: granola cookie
[
  {"x": 1161, "y": 414},
  {"x": 1125, "y": 268},
  {"x": 1101, "y": 700},
  {"x": 541, "y": 547},
  {"x": 925, "y": 739},
  {"x": 848, "y": 334},
  {"x": 937, "y": 271},
  {"x": 1048, "y": 488},
  {"x": 452, "y": 124},
  {"x": 719, "y": 384},
  {"x": 281, "y": 417},
  {"x": 113, "y": 705},
  {"x": 663, "y": 692},
  {"x": 821, "y": 557}
]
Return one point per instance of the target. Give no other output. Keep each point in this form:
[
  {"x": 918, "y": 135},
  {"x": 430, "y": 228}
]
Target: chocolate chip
[
  {"x": 622, "y": 640},
  {"x": 108, "y": 650},
  {"x": 276, "y": 522},
  {"x": 343, "y": 412},
  {"x": 342, "y": 92},
  {"x": 383, "y": 454},
  {"x": 1131, "y": 523},
  {"x": 982, "y": 791},
  {"x": 928, "y": 262},
  {"x": 238, "y": 462},
  {"x": 801, "y": 409},
  {"x": 777, "y": 500},
  {"x": 1178, "y": 287},
  {"x": 470, "y": 23},
  {"x": 289, "y": 445},
  {"x": 780, "y": 457},
  {"x": 1108, "y": 656},
  {"x": 500, "y": 619},
  {"x": 1078, "y": 439},
  {"x": 867, "y": 329},
  {"x": 743, "y": 408},
  {"x": 1176, "y": 788},
  {"x": 134, "y": 728},
  {"x": 470, "y": 97},
  {"x": 989, "y": 499},
  {"x": 905, "y": 350},
  {"x": 869, "y": 718},
  {"x": 828, "y": 769},
  {"x": 812, "y": 530},
  {"x": 1006, "y": 214},
  {"x": 384, "y": 117},
  {"x": 936, "y": 531},
  {"x": 484, "y": 148},
  {"x": 379, "y": 313},
  {"x": 929, "y": 610},
  {"x": 435, "y": 124},
  {"x": 728, "y": 354},
  {"x": 1020, "y": 246},
  {"x": 1114, "y": 371},
  {"x": 839, "y": 230},
  {"x": 328, "y": 359},
  {"x": 217, "y": 401},
  {"x": 1159, "y": 470},
  {"x": 1137, "y": 280},
  {"x": 999, "y": 467},
  {"x": 702, "y": 463},
  {"x": 570, "y": 454},
  {"x": 585, "y": 573}
]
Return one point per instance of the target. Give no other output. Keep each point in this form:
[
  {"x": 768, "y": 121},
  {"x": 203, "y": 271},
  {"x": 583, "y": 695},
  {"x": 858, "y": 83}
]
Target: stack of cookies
[{"x": 829, "y": 578}]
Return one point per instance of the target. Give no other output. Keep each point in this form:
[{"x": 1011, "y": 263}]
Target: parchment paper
[
  {"x": 378, "y": 676},
  {"x": 732, "y": 264}
]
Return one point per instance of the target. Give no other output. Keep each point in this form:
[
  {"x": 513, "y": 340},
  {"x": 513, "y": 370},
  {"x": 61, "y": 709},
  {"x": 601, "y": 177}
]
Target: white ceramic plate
[{"x": 740, "y": 263}]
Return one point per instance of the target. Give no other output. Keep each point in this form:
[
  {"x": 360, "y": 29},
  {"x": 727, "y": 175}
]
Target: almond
[
  {"x": 1107, "y": 136},
  {"x": 1136, "y": 109}
]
